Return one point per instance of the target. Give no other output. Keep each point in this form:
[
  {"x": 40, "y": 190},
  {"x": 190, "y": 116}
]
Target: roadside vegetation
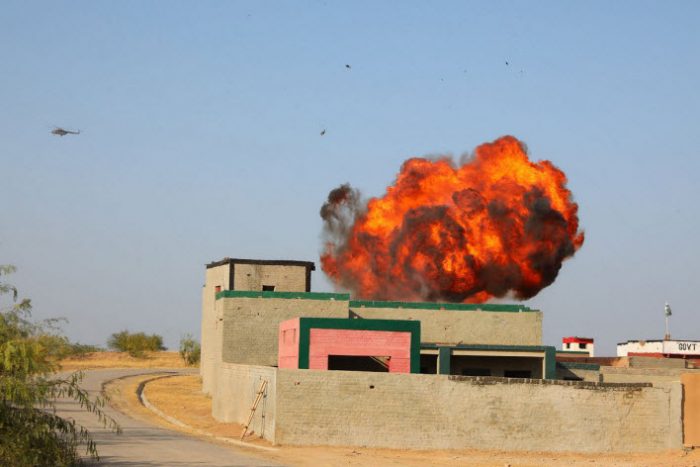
[
  {"x": 135, "y": 344},
  {"x": 190, "y": 350},
  {"x": 31, "y": 433}
]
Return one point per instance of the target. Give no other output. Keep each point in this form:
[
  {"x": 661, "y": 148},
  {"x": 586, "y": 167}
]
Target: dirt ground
[
  {"x": 98, "y": 360},
  {"x": 180, "y": 397}
]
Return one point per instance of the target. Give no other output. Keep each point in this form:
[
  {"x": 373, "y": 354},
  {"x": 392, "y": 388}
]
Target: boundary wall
[
  {"x": 406, "y": 411},
  {"x": 235, "y": 392}
]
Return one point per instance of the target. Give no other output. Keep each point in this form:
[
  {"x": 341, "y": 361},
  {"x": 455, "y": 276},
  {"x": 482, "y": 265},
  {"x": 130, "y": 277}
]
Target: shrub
[
  {"x": 135, "y": 343},
  {"x": 190, "y": 350},
  {"x": 31, "y": 433}
]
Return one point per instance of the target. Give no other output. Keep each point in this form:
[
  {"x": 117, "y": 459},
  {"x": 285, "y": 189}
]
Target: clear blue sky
[{"x": 200, "y": 139}]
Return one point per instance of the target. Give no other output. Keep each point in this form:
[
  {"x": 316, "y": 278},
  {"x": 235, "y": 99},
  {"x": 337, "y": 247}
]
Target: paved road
[{"x": 143, "y": 444}]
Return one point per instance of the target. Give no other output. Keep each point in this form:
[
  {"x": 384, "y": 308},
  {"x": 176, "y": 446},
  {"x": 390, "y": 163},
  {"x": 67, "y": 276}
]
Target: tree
[
  {"x": 31, "y": 433},
  {"x": 136, "y": 343},
  {"x": 190, "y": 350}
]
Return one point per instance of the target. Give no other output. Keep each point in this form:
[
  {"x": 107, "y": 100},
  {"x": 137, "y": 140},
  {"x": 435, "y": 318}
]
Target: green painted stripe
[
  {"x": 550, "y": 362},
  {"x": 401, "y": 325},
  {"x": 444, "y": 360},
  {"x": 441, "y": 306},
  {"x": 283, "y": 295},
  {"x": 511, "y": 348},
  {"x": 415, "y": 349},
  {"x": 579, "y": 352},
  {"x": 304, "y": 341}
]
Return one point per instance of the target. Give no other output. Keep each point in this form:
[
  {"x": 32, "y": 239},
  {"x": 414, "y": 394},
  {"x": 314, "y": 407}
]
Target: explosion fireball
[{"x": 495, "y": 225}]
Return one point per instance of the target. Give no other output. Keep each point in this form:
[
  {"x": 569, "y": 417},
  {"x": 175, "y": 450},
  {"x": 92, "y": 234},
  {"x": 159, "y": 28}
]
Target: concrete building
[
  {"x": 488, "y": 382},
  {"x": 660, "y": 348},
  {"x": 247, "y": 275},
  {"x": 578, "y": 344}
]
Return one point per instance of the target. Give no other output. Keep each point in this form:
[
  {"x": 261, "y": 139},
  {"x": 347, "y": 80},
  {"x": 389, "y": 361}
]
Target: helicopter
[{"x": 58, "y": 131}]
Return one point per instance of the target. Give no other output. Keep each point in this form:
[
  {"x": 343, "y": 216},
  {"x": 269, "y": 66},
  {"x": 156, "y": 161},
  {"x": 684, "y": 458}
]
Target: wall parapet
[
  {"x": 484, "y": 380},
  {"x": 579, "y": 366},
  {"x": 282, "y": 295},
  {"x": 441, "y": 306}
]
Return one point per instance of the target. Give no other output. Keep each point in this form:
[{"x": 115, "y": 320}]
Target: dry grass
[
  {"x": 180, "y": 397},
  {"x": 97, "y": 360}
]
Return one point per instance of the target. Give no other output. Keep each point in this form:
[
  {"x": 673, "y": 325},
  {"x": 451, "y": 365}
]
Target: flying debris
[
  {"x": 348, "y": 66},
  {"x": 323, "y": 132},
  {"x": 58, "y": 131},
  {"x": 507, "y": 63}
]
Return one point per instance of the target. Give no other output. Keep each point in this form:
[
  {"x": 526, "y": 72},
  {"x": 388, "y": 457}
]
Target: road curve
[{"x": 143, "y": 444}]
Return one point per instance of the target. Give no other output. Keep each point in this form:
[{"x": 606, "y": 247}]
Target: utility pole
[{"x": 667, "y": 313}]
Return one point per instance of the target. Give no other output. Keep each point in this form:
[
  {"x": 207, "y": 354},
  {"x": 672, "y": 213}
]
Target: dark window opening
[
  {"x": 517, "y": 374},
  {"x": 476, "y": 372},
  {"x": 581, "y": 346},
  {"x": 268, "y": 288},
  {"x": 355, "y": 363},
  {"x": 428, "y": 364}
]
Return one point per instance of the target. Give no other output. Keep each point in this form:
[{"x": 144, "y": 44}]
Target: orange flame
[{"x": 497, "y": 224}]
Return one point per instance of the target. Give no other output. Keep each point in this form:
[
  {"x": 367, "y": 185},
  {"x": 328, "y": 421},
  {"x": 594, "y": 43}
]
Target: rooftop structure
[
  {"x": 660, "y": 348},
  {"x": 578, "y": 344}
]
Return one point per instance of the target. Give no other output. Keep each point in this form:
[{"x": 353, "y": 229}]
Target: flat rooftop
[
  {"x": 510, "y": 308},
  {"x": 265, "y": 262}
]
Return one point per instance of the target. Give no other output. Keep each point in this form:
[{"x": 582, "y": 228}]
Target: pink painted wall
[
  {"x": 288, "y": 341},
  {"x": 325, "y": 342}
]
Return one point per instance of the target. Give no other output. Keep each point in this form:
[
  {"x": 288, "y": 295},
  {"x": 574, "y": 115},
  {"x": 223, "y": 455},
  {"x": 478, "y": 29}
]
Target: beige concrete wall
[
  {"x": 467, "y": 327},
  {"x": 216, "y": 276},
  {"x": 643, "y": 375},
  {"x": 233, "y": 397},
  {"x": 592, "y": 376},
  {"x": 441, "y": 412},
  {"x": 691, "y": 409},
  {"x": 284, "y": 278},
  {"x": 251, "y": 325},
  {"x": 652, "y": 362}
]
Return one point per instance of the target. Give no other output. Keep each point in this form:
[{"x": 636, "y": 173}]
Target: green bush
[
  {"x": 136, "y": 344},
  {"x": 31, "y": 433},
  {"x": 190, "y": 350},
  {"x": 59, "y": 347}
]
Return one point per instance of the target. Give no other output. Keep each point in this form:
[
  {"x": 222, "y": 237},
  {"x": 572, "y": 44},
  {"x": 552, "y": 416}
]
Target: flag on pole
[{"x": 667, "y": 309}]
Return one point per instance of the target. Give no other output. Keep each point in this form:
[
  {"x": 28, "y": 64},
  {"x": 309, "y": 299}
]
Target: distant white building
[
  {"x": 660, "y": 348},
  {"x": 578, "y": 344}
]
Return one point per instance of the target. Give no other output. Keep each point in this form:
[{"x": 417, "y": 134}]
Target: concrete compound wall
[
  {"x": 638, "y": 375},
  {"x": 449, "y": 412},
  {"x": 571, "y": 372},
  {"x": 652, "y": 362},
  {"x": 236, "y": 391},
  {"x": 466, "y": 326}
]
